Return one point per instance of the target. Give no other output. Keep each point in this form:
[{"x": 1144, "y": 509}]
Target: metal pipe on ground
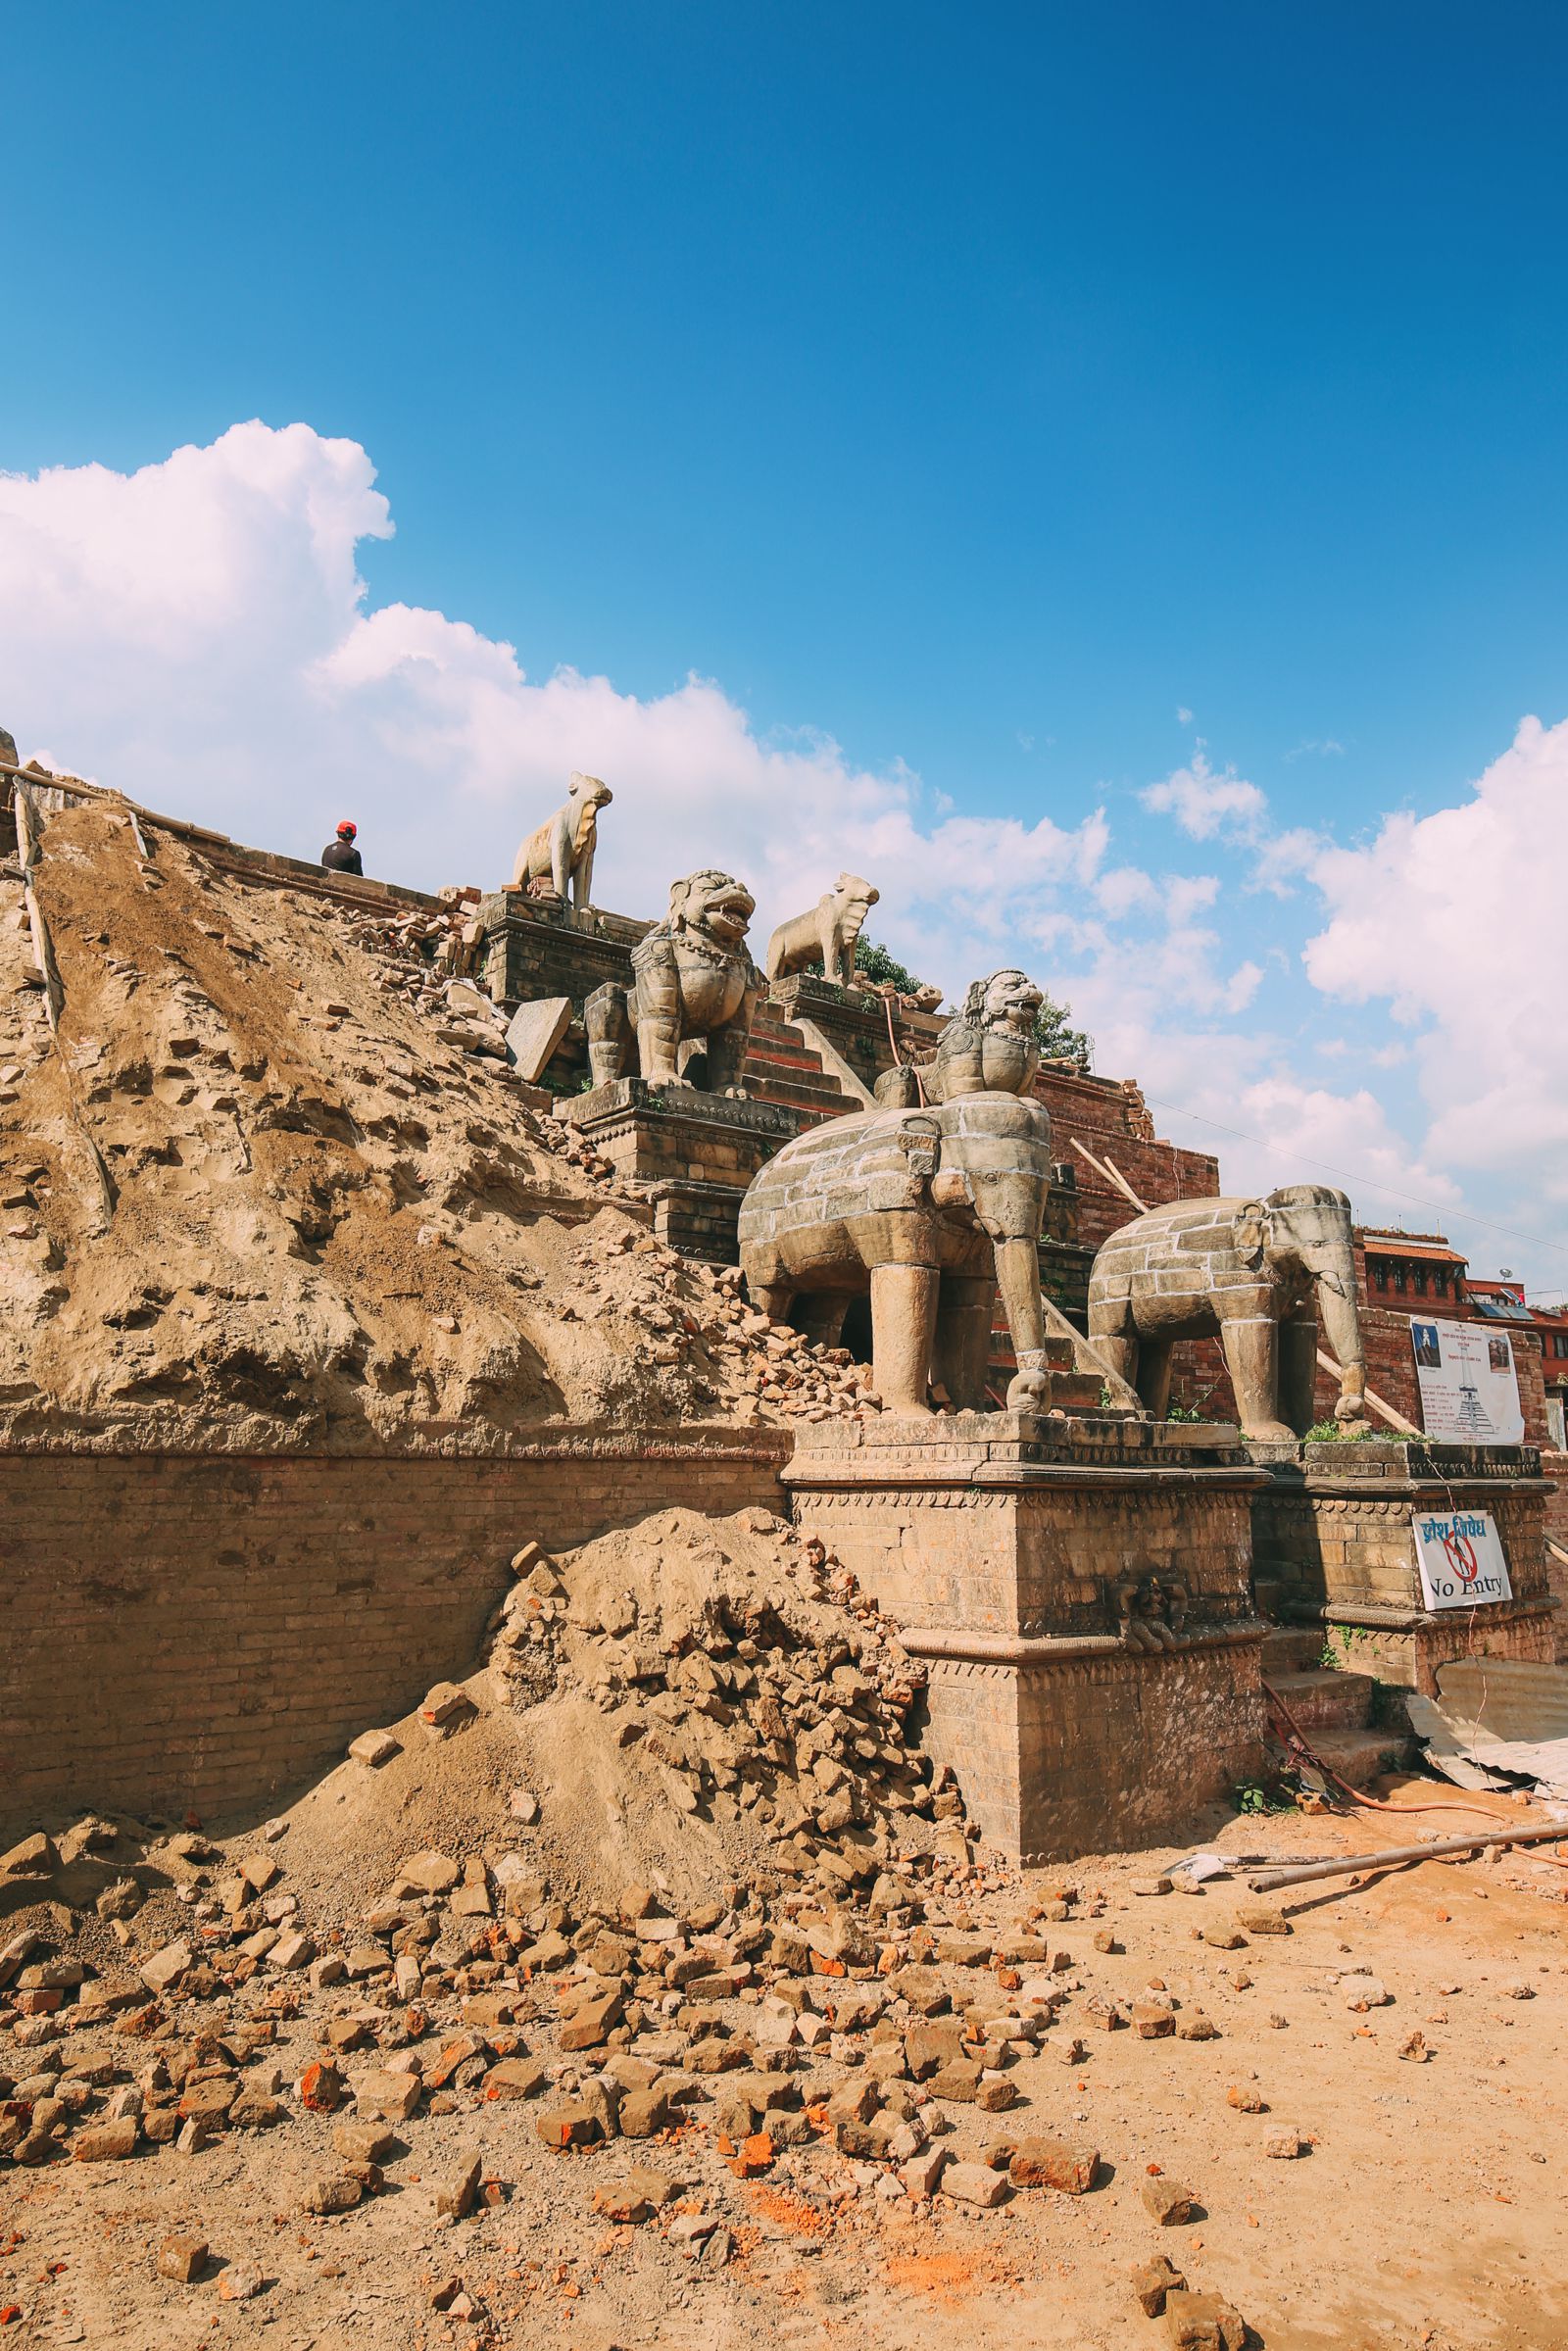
[{"x": 1270, "y": 1881}]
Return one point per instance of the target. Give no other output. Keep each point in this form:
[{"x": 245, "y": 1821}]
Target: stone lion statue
[
  {"x": 827, "y": 934},
  {"x": 693, "y": 978},
  {"x": 988, "y": 1048},
  {"x": 562, "y": 850}
]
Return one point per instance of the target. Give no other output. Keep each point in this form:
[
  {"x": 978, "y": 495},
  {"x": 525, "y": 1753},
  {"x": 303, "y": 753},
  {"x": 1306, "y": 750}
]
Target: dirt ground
[{"x": 1426, "y": 2215}]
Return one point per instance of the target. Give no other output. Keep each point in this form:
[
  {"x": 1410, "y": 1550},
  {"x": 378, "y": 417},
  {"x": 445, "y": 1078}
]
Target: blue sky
[{"x": 963, "y": 393}]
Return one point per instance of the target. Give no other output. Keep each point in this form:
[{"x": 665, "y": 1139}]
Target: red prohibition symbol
[{"x": 1459, "y": 1551}]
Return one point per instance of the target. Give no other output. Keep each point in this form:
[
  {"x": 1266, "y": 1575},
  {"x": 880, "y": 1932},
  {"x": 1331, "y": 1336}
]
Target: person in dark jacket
[{"x": 341, "y": 856}]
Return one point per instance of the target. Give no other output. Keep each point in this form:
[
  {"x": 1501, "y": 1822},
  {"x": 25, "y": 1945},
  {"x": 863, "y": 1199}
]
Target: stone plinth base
[
  {"x": 534, "y": 946},
  {"x": 1080, "y": 1593},
  {"x": 1403, "y": 1651},
  {"x": 1061, "y": 1752},
  {"x": 696, "y": 1152},
  {"x": 1334, "y": 1543}
]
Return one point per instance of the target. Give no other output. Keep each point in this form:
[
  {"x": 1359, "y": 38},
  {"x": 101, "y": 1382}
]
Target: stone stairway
[
  {"x": 781, "y": 1067},
  {"x": 1333, "y": 1709}
]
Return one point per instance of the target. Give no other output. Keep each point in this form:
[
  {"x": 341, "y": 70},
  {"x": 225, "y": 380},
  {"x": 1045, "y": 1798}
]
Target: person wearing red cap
[{"x": 341, "y": 856}]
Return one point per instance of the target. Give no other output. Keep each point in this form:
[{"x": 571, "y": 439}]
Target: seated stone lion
[
  {"x": 988, "y": 1048},
  {"x": 693, "y": 978}
]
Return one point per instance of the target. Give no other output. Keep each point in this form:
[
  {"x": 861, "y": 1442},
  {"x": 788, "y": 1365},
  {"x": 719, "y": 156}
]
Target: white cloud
[
  {"x": 1282, "y": 858},
  {"x": 1184, "y": 717},
  {"x": 1456, "y": 919},
  {"x": 1204, "y": 803},
  {"x": 197, "y": 634}
]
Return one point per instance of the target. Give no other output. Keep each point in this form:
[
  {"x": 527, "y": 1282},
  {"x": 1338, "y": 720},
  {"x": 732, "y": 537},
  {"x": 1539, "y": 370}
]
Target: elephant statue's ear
[{"x": 1251, "y": 1232}]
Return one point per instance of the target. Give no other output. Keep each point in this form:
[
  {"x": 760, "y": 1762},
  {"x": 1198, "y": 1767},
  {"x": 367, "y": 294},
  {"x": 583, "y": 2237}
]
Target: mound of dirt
[
  {"x": 686, "y": 1702},
  {"x": 267, "y": 1181}
]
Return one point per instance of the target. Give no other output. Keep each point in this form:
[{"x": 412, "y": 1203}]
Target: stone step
[
  {"x": 779, "y": 1055},
  {"x": 1363, "y": 1756},
  {"x": 1326, "y": 1699},
  {"x": 786, "y": 1095},
  {"x": 760, "y": 1072},
  {"x": 782, "y": 1048},
  {"x": 1292, "y": 1649}
]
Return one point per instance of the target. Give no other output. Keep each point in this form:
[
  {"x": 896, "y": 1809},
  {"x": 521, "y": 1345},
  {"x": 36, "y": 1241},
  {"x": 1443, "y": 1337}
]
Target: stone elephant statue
[
  {"x": 930, "y": 1210},
  {"x": 1260, "y": 1274}
]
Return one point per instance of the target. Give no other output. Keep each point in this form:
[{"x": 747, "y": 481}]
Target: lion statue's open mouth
[
  {"x": 1012, "y": 1001},
  {"x": 728, "y": 916}
]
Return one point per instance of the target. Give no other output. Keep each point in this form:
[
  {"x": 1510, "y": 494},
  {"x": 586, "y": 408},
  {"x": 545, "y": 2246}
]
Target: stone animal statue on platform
[
  {"x": 1257, "y": 1274},
  {"x": 827, "y": 935},
  {"x": 930, "y": 1210},
  {"x": 693, "y": 979},
  {"x": 989, "y": 1047},
  {"x": 562, "y": 850}
]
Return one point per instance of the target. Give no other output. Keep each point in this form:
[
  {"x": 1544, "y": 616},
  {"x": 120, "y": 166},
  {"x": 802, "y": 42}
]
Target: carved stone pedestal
[
  {"x": 1080, "y": 1594},
  {"x": 693, "y": 1153},
  {"x": 1334, "y": 1544},
  {"x": 536, "y": 947}
]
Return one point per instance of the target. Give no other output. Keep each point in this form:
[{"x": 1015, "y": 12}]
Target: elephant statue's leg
[
  {"x": 773, "y": 1299},
  {"x": 821, "y": 1319},
  {"x": 904, "y": 1312},
  {"x": 1152, "y": 1380},
  {"x": 1252, "y": 1358},
  {"x": 965, "y": 1308},
  {"x": 1122, "y": 1354},
  {"x": 1298, "y": 1372}
]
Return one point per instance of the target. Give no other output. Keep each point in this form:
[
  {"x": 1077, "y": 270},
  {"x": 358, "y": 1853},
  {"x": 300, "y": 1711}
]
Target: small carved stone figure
[
  {"x": 1257, "y": 1273},
  {"x": 989, "y": 1047},
  {"x": 1150, "y": 1614},
  {"x": 562, "y": 850},
  {"x": 693, "y": 979},
  {"x": 826, "y": 934}
]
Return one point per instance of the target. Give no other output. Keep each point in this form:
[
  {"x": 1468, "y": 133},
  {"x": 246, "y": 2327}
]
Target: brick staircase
[
  {"x": 781, "y": 1067},
  {"x": 1333, "y": 1709}
]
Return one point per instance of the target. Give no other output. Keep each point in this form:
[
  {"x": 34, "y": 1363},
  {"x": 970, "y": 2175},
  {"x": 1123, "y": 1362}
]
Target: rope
[
  {"x": 1296, "y": 1739},
  {"x": 898, "y": 1061}
]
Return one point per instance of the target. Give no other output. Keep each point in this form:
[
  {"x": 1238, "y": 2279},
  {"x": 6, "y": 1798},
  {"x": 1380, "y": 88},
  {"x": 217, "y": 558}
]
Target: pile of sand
[
  {"x": 266, "y": 1187},
  {"x": 687, "y": 1702}
]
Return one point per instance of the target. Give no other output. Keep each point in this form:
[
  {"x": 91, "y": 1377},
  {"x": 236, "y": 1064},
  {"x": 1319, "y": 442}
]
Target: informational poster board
[
  {"x": 1469, "y": 1386},
  {"x": 1460, "y": 1557}
]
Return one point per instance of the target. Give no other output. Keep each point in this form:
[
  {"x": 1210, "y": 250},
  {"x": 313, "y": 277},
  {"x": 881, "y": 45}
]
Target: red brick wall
[
  {"x": 1110, "y": 1118},
  {"x": 199, "y": 1632},
  {"x": 1556, "y": 1465}
]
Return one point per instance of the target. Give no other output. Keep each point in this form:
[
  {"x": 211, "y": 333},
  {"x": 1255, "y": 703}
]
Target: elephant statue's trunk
[{"x": 1341, "y": 1322}]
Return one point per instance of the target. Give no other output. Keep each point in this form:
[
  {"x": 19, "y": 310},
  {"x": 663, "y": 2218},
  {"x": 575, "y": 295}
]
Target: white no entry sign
[{"x": 1461, "y": 1560}]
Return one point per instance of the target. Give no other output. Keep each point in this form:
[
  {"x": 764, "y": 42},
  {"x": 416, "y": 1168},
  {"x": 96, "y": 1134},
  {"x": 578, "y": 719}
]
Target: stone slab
[{"x": 533, "y": 1033}]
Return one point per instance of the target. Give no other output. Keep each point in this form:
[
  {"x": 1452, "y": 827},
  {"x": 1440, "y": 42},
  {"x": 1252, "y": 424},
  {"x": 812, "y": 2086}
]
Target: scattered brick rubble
[{"x": 845, "y": 2016}]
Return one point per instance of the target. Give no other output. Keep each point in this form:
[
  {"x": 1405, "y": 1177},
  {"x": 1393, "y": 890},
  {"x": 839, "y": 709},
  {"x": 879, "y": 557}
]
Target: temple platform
[
  {"x": 693, "y": 1153},
  {"x": 1079, "y": 1592},
  {"x": 1334, "y": 1544}
]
